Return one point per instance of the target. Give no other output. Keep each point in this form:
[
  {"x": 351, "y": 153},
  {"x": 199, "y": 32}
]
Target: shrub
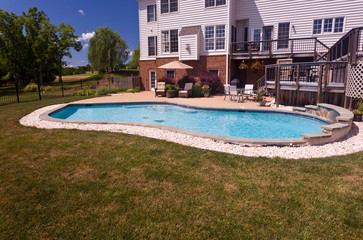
[
  {"x": 113, "y": 89},
  {"x": 212, "y": 80},
  {"x": 85, "y": 92},
  {"x": 171, "y": 87},
  {"x": 137, "y": 89},
  {"x": 167, "y": 80},
  {"x": 185, "y": 79},
  {"x": 47, "y": 88},
  {"x": 123, "y": 89},
  {"x": 102, "y": 90},
  {"x": 31, "y": 87},
  {"x": 130, "y": 90},
  {"x": 197, "y": 91}
]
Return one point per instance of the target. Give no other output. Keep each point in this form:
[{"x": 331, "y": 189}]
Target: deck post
[
  {"x": 270, "y": 48},
  {"x": 345, "y": 85},
  {"x": 292, "y": 48},
  {"x": 249, "y": 49},
  {"x": 297, "y": 84},
  {"x": 315, "y": 43},
  {"x": 320, "y": 82},
  {"x": 277, "y": 86},
  {"x": 326, "y": 75}
]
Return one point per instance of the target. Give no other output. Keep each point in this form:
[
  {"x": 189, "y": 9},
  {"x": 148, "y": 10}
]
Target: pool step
[
  {"x": 316, "y": 138},
  {"x": 299, "y": 109}
]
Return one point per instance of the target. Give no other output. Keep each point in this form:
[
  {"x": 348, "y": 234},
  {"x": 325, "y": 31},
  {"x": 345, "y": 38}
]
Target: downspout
[{"x": 228, "y": 40}]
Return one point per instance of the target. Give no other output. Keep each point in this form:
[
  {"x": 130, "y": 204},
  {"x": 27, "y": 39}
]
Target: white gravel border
[{"x": 351, "y": 144}]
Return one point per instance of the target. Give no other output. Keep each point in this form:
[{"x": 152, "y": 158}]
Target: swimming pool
[{"x": 255, "y": 124}]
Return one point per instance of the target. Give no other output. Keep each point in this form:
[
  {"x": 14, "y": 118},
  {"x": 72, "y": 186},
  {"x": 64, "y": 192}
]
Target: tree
[
  {"x": 107, "y": 50},
  {"x": 65, "y": 39},
  {"x": 134, "y": 63}
]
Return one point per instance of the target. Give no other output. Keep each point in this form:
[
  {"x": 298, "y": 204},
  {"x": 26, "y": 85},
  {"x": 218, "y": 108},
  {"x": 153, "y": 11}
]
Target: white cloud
[
  {"x": 81, "y": 12},
  {"x": 130, "y": 54},
  {"x": 86, "y": 36},
  {"x": 85, "y": 46},
  {"x": 82, "y": 61},
  {"x": 70, "y": 65}
]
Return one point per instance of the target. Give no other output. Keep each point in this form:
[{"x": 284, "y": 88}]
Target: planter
[
  {"x": 169, "y": 95},
  {"x": 262, "y": 103},
  {"x": 357, "y": 117},
  {"x": 206, "y": 94}
]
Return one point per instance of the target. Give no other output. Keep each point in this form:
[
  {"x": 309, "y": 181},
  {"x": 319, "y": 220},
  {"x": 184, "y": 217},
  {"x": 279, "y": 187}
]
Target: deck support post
[
  {"x": 326, "y": 75},
  {"x": 297, "y": 85},
  {"x": 277, "y": 86},
  {"x": 320, "y": 82},
  {"x": 315, "y": 53},
  {"x": 292, "y": 48}
]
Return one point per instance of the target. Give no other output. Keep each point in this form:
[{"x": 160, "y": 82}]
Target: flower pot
[
  {"x": 169, "y": 95},
  {"x": 262, "y": 103},
  {"x": 357, "y": 117},
  {"x": 206, "y": 94}
]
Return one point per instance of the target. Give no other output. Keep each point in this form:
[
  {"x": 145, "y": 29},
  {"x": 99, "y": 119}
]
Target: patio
[{"x": 215, "y": 101}]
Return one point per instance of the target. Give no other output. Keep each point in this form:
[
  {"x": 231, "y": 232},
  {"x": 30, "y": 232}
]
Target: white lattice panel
[{"x": 355, "y": 81}]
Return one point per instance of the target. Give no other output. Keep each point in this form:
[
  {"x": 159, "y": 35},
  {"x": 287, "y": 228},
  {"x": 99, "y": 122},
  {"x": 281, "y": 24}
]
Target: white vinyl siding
[{"x": 300, "y": 15}]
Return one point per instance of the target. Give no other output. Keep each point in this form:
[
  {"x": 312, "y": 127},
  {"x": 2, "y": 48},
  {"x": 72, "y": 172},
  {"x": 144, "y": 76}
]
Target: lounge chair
[
  {"x": 160, "y": 90},
  {"x": 187, "y": 91},
  {"x": 226, "y": 91},
  {"x": 249, "y": 90},
  {"x": 233, "y": 92}
]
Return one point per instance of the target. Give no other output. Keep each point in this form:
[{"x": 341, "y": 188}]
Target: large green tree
[
  {"x": 107, "y": 50},
  {"x": 134, "y": 63}
]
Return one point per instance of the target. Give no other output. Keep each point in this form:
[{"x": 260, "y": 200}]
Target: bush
[
  {"x": 85, "y": 92},
  {"x": 171, "y": 87},
  {"x": 123, "y": 89},
  {"x": 197, "y": 91},
  {"x": 167, "y": 80},
  {"x": 130, "y": 90},
  {"x": 137, "y": 89},
  {"x": 31, "y": 87},
  {"x": 113, "y": 89},
  {"x": 47, "y": 88},
  {"x": 102, "y": 90},
  {"x": 212, "y": 80},
  {"x": 185, "y": 79}
]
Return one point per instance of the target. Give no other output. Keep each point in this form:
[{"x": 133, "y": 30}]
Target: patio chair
[
  {"x": 249, "y": 91},
  {"x": 187, "y": 91},
  {"x": 160, "y": 90},
  {"x": 233, "y": 92},
  {"x": 226, "y": 91}
]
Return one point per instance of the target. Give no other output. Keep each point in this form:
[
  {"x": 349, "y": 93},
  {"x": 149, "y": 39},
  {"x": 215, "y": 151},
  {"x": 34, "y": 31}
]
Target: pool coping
[{"x": 226, "y": 139}]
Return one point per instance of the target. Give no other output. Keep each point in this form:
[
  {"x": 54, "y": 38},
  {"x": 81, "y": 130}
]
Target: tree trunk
[
  {"x": 41, "y": 74},
  {"x": 60, "y": 69}
]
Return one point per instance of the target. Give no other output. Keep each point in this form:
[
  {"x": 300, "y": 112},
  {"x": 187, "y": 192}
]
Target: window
[
  {"x": 215, "y": 37},
  {"x": 256, "y": 39},
  {"x": 214, "y": 71},
  {"x": 317, "y": 26},
  {"x": 151, "y": 13},
  {"x": 220, "y": 37},
  {"x": 283, "y": 35},
  {"x": 328, "y": 25},
  {"x": 209, "y": 38},
  {"x": 169, "y": 41},
  {"x": 338, "y": 26},
  {"x": 211, "y": 3},
  {"x": 152, "y": 46},
  {"x": 234, "y": 34},
  {"x": 170, "y": 74},
  {"x": 169, "y": 6}
]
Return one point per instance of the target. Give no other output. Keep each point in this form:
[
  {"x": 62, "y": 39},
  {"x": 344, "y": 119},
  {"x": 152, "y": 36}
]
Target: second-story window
[
  {"x": 152, "y": 46},
  {"x": 328, "y": 25},
  {"x": 169, "y": 41},
  {"x": 215, "y": 37},
  {"x": 211, "y": 3},
  {"x": 151, "y": 13},
  {"x": 169, "y": 6}
]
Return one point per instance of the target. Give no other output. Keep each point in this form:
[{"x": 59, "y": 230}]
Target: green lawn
[{"x": 70, "y": 184}]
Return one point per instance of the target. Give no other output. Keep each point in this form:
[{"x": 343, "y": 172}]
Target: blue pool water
[{"x": 247, "y": 124}]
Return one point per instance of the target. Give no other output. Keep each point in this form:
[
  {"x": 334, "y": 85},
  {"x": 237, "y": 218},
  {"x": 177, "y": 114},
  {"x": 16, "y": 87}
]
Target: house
[{"x": 218, "y": 35}]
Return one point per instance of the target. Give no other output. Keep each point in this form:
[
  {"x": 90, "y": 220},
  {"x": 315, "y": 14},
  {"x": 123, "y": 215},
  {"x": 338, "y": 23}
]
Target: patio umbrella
[{"x": 176, "y": 65}]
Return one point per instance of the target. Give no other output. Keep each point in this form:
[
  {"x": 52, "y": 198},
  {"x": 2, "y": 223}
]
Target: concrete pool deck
[{"x": 148, "y": 96}]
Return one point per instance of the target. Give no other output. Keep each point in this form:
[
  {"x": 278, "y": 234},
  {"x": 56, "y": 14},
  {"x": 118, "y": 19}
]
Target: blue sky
[{"x": 86, "y": 16}]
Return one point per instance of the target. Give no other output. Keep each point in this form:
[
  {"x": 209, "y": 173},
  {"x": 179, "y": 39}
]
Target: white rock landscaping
[{"x": 352, "y": 143}]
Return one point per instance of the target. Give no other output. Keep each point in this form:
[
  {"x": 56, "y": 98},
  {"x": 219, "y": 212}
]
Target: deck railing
[
  {"x": 288, "y": 47},
  {"x": 320, "y": 77},
  {"x": 348, "y": 47}
]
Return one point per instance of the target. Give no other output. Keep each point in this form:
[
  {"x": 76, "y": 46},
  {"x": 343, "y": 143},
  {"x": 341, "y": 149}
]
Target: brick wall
[{"x": 202, "y": 65}]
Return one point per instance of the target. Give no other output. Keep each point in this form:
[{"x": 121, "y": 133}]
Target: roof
[{"x": 189, "y": 30}]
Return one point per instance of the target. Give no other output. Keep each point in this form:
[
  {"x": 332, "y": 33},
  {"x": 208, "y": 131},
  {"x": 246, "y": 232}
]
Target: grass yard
[{"x": 71, "y": 184}]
